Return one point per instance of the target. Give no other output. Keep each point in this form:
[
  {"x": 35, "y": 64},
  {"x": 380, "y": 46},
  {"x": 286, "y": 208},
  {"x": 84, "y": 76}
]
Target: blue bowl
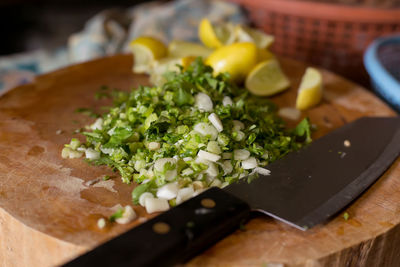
[{"x": 382, "y": 61}]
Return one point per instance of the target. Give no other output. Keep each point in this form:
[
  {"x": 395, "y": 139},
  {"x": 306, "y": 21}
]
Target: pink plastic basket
[{"x": 330, "y": 35}]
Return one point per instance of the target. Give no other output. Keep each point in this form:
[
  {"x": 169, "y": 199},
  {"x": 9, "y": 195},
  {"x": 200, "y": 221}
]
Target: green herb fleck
[{"x": 116, "y": 215}]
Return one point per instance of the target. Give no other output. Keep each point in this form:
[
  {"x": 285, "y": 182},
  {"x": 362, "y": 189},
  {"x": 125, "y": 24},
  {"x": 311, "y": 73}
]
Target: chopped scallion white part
[
  {"x": 92, "y": 154},
  {"x": 143, "y": 197},
  {"x": 184, "y": 194},
  {"x": 139, "y": 165},
  {"x": 156, "y": 205},
  {"x": 81, "y": 149},
  {"x": 249, "y": 163},
  {"x": 224, "y": 184},
  {"x": 150, "y": 173},
  {"x": 203, "y": 102},
  {"x": 212, "y": 169},
  {"x": 227, "y": 167},
  {"x": 262, "y": 171},
  {"x": 75, "y": 154},
  {"x": 74, "y": 144},
  {"x": 239, "y": 135},
  {"x": 154, "y": 145},
  {"x": 187, "y": 172},
  {"x": 237, "y": 125},
  {"x": 168, "y": 191},
  {"x": 227, "y": 101},
  {"x": 67, "y": 152},
  {"x": 197, "y": 185},
  {"x": 106, "y": 150},
  {"x": 201, "y": 145},
  {"x": 208, "y": 156},
  {"x": 159, "y": 164},
  {"x": 213, "y": 147},
  {"x": 216, "y": 122},
  {"x": 241, "y": 154},
  {"x": 216, "y": 183},
  {"x": 97, "y": 125},
  {"x": 101, "y": 223},
  {"x": 206, "y": 129},
  {"x": 111, "y": 131},
  {"x": 128, "y": 215}
]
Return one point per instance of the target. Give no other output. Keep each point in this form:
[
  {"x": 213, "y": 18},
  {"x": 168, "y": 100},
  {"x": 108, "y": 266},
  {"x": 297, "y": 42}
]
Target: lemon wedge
[
  {"x": 146, "y": 50},
  {"x": 237, "y": 59},
  {"x": 310, "y": 89},
  {"x": 181, "y": 49},
  {"x": 216, "y": 35},
  {"x": 247, "y": 34},
  {"x": 267, "y": 78},
  {"x": 168, "y": 64}
]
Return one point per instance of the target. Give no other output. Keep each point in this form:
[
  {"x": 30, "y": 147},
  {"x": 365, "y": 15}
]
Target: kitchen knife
[{"x": 305, "y": 188}]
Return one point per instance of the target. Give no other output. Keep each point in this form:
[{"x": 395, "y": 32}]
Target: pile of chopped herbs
[{"x": 195, "y": 131}]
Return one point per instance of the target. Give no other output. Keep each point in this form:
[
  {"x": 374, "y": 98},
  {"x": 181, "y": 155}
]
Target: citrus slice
[
  {"x": 146, "y": 49},
  {"x": 237, "y": 59},
  {"x": 216, "y": 35},
  {"x": 310, "y": 89},
  {"x": 180, "y": 49},
  {"x": 247, "y": 34},
  {"x": 168, "y": 64},
  {"x": 267, "y": 78}
]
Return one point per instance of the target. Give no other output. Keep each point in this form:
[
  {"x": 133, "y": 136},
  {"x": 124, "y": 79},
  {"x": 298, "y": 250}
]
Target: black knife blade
[{"x": 305, "y": 188}]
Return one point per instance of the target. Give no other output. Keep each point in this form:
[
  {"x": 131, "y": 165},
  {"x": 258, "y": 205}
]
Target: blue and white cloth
[{"x": 110, "y": 32}]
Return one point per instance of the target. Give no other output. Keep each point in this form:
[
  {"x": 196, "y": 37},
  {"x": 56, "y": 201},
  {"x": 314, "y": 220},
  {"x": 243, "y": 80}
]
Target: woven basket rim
[{"x": 326, "y": 11}]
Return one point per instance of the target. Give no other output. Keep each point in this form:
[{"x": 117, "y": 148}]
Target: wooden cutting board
[{"x": 48, "y": 211}]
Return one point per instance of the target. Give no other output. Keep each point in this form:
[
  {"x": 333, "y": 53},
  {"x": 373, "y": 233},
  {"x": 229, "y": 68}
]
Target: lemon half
[
  {"x": 146, "y": 50},
  {"x": 310, "y": 89},
  {"x": 267, "y": 78}
]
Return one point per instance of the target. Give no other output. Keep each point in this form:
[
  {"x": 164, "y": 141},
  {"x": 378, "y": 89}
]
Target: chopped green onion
[{"x": 195, "y": 131}]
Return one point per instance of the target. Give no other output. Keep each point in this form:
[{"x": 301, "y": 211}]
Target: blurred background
[
  {"x": 41, "y": 35},
  {"x": 28, "y": 25}
]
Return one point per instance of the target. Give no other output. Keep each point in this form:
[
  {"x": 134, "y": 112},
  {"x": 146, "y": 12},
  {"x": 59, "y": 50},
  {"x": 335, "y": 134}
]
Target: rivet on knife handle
[{"x": 175, "y": 235}]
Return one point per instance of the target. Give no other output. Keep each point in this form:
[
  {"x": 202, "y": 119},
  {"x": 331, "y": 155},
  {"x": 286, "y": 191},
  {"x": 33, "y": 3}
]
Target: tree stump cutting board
[{"x": 49, "y": 207}]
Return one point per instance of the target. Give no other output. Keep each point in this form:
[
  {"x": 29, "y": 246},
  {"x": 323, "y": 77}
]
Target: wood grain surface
[{"x": 48, "y": 211}]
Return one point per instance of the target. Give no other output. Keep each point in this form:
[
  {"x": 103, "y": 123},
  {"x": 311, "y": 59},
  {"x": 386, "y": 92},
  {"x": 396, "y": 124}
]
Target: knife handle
[{"x": 175, "y": 235}]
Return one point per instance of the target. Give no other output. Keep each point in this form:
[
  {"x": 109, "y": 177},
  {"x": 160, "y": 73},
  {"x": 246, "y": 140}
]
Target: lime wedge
[
  {"x": 267, "y": 78},
  {"x": 310, "y": 89}
]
